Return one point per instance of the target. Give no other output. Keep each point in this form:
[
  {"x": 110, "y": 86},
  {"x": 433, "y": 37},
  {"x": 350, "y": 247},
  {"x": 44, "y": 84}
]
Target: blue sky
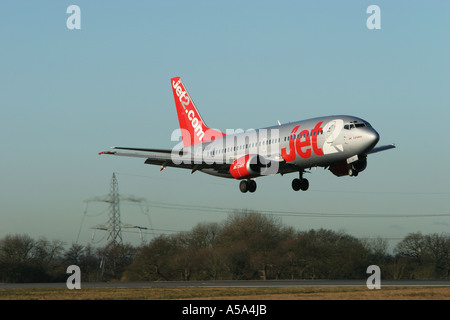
[{"x": 68, "y": 94}]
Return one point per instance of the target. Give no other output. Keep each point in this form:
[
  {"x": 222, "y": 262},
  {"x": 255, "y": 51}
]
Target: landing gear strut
[
  {"x": 247, "y": 185},
  {"x": 300, "y": 184}
]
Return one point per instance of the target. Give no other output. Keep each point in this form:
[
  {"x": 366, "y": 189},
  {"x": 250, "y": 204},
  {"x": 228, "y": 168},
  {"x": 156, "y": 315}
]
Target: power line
[
  {"x": 227, "y": 210},
  {"x": 187, "y": 207},
  {"x": 412, "y": 193}
]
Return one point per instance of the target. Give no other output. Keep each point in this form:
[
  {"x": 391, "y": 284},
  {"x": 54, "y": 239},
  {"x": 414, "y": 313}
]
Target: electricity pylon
[
  {"x": 114, "y": 225},
  {"x": 114, "y": 251}
]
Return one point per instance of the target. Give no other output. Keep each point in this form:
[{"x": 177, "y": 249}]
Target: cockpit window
[
  {"x": 349, "y": 126},
  {"x": 353, "y": 125}
]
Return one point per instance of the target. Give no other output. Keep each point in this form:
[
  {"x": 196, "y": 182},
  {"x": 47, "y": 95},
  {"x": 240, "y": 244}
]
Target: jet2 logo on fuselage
[{"x": 304, "y": 143}]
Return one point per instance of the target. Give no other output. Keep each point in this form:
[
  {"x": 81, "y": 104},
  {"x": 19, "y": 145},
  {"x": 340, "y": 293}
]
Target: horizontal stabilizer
[{"x": 144, "y": 149}]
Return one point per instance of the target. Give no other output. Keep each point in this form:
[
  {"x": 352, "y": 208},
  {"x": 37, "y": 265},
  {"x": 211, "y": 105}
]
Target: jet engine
[
  {"x": 250, "y": 166},
  {"x": 349, "y": 169}
]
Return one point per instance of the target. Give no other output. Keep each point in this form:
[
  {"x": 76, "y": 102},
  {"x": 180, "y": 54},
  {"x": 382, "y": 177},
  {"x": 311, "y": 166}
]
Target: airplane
[{"x": 339, "y": 143}]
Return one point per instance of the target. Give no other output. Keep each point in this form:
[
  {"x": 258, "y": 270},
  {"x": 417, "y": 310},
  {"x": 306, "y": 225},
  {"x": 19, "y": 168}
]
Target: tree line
[{"x": 247, "y": 245}]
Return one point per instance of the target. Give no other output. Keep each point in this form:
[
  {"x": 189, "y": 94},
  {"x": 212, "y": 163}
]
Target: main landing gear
[
  {"x": 300, "y": 183},
  {"x": 247, "y": 185},
  {"x": 297, "y": 184}
]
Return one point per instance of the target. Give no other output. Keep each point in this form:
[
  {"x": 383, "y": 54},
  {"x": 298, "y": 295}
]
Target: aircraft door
[{"x": 333, "y": 142}]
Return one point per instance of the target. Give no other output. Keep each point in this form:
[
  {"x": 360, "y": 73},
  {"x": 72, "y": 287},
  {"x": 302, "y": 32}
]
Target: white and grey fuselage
[{"x": 340, "y": 138}]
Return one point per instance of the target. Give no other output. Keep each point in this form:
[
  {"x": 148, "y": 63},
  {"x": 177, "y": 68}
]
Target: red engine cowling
[{"x": 248, "y": 166}]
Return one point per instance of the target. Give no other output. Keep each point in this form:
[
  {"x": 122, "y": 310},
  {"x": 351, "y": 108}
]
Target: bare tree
[
  {"x": 23, "y": 259},
  {"x": 428, "y": 255}
]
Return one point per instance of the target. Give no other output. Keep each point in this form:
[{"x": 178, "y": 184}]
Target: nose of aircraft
[{"x": 371, "y": 138}]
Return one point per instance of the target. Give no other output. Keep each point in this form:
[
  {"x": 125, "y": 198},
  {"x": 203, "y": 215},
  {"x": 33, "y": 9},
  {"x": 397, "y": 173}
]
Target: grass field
[{"x": 297, "y": 293}]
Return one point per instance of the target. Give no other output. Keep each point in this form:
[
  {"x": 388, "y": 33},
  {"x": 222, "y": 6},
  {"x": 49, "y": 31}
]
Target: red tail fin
[{"x": 193, "y": 128}]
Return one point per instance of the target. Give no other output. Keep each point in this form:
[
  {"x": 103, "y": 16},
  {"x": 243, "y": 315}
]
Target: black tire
[
  {"x": 296, "y": 184},
  {"x": 304, "y": 184},
  {"x": 243, "y": 186},
  {"x": 251, "y": 185},
  {"x": 352, "y": 172}
]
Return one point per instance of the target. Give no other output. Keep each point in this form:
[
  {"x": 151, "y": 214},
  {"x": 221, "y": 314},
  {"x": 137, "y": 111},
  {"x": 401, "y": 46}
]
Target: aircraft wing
[
  {"x": 382, "y": 148},
  {"x": 164, "y": 158},
  {"x": 175, "y": 158}
]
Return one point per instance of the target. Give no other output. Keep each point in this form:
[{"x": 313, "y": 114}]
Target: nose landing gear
[{"x": 352, "y": 172}]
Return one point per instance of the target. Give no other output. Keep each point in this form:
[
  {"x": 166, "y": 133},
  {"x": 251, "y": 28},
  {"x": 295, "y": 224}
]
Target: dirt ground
[{"x": 298, "y": 293}]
